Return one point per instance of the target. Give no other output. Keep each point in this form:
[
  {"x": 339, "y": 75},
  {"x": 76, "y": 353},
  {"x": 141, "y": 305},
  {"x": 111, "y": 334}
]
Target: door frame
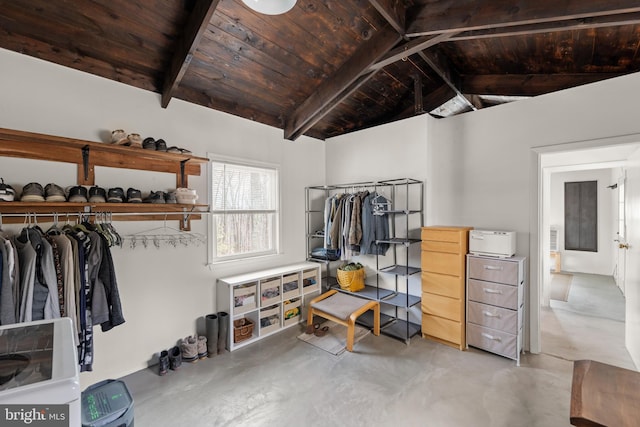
[{"x": 536, "y": 226}]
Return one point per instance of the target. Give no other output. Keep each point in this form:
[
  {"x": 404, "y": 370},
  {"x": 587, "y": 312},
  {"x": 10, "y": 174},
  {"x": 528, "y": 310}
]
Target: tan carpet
[
  {"x": 335, "y": 340},
  {"x": 560, "y": 286}
]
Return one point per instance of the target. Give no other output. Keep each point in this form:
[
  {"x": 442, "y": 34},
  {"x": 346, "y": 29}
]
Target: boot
[
  {"x": 175, "y": 358},
  {"x": 223, "y": 330},
  {"x": 212, "y": 334},
  {"x": 189, "y": 349},
  {"x": 202, "y": 347},
  {"x": 164, "y": 362}
]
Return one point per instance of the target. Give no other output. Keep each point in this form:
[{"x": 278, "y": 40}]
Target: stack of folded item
[{"x": 186, "y": 196}]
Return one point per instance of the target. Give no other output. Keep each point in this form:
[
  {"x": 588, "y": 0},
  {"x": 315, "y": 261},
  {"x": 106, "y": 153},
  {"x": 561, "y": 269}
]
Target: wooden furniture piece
[
  {"x": 344, "y": 309},
  {"x": 604, "y": 395},
  {"x": 272, "y": 299},
  {"x": 87, "y": 155},
  {"x": 495, "y": 304},
  {"x": 443, "y": 284}
]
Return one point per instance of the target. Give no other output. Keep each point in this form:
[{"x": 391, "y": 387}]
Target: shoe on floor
[
  {"x": 32, "y": 192},
  {"x": 175, "y": 358},
  {"x": 54, "y": 193},
  {"x": 202, "y": 347},
  {"x": 78, "y": 194},
  {"x": 189, "y": 349},
  {"x": 163, "y": 364}
]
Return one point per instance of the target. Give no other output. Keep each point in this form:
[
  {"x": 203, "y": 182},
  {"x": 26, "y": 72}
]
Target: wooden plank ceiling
[{"x": 329, "y": 67}]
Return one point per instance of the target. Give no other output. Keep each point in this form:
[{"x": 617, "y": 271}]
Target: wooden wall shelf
[{"x": 87, "y": 155}]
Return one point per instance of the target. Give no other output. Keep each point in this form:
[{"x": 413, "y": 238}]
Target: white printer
[{"x": 499, "y": 244}]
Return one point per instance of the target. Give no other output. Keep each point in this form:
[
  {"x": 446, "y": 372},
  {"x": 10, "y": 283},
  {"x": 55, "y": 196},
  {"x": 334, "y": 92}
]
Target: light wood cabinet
[{"x": 443, "y": 284}]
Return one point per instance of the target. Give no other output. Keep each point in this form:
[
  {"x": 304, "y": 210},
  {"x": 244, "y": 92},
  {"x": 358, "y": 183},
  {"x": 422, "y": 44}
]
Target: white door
[
  {"x": 621, "y": 240},
  {"x": 632, "y": 273}
]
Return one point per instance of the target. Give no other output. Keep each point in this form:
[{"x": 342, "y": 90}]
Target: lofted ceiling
[{"x": 329, "y": 67}]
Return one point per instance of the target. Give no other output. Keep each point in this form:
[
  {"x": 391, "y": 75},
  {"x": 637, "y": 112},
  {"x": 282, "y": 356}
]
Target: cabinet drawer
[
  {"x": 492, "y": 340},
  {"x": 443, "y": 263},
  {"x": 492, "y": 317},
  {"x": 445, "y": 307},
  {"x": 439, "y": 235},
  {"x": 453, "y": 248},
  {"x": 493, "y": 293},
  {"x": 493, "y": 270},
  {"x": 442, "y": 284},
  {"x": 444, "y": 329}
]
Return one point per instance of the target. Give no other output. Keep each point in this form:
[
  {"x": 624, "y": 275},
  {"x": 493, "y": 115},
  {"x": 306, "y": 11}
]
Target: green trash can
[{"x": 107, "y": 404}]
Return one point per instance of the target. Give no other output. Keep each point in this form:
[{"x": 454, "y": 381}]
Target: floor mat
[
  {"x": 335, "y": 340},
  {"x": 560, "y": 286}
]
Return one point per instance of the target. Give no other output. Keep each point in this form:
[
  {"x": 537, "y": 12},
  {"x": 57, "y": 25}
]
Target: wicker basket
[
  {"x": 242, "y": 329},
  {"x": 352, "y": 281}
]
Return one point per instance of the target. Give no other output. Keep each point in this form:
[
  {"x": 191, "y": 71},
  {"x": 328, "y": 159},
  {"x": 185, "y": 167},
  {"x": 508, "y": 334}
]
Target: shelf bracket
[
  {"x": 185, "y": 223},
  {"x": 183, "y": 163},
  {"x": 85, "y": 161}
]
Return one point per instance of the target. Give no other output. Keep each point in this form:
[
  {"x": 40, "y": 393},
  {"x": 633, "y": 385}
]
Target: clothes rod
[{"x": 101, "y": 213}]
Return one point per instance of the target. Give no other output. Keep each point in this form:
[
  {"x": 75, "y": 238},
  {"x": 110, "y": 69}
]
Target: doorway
[{"x": 586, "y": 318}]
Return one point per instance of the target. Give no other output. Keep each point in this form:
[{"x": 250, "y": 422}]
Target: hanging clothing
[
  {"x": 7, "y": 292},
  {"x": 374, "y": 227},
  {"x": 67, "y": 270}
]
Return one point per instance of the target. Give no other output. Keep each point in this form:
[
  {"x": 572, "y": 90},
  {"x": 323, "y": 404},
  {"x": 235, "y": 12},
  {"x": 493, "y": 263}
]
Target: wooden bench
[
  {"x": 344, "y": 309},
  {"x": 604, "y": 395}
]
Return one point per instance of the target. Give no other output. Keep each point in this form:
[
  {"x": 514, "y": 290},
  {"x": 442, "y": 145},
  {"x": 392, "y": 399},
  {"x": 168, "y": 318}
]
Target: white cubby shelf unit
[{"x": 272, "y": 299}]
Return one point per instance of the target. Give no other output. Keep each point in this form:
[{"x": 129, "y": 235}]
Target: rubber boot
[
  {"x": 223, "y": 330},
  {"x": 211, "y": 321},
  {"x": 163, "y": 364},
  {"x": 175, "y": 358}
]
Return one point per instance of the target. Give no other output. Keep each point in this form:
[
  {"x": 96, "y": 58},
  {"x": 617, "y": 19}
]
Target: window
[
  {"x": 244, "y": 210},
  {"x": 581, "y": 216}
]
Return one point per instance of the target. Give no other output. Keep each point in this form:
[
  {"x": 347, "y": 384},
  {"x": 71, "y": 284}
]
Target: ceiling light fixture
[{"x": 270, "y": 7}]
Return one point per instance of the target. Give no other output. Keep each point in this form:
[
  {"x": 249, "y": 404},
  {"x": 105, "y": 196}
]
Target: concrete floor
[{"x": 282, "y": 381}]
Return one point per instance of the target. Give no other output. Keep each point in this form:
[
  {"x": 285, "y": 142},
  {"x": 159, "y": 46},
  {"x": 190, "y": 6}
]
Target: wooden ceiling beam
[
  {"x": 394, "y": 11},
  {"x": 453, "y": 16},
  {"x": 527, "y": 84},
  {"x": 550, "y": 27},
  {"x": 443, "y": 67},
  {"x": 408, "y": 49},
  {"x": 430, "y": 101},
  {"x": 187, "y": 45},
  {"x": 314, "y": 107}
]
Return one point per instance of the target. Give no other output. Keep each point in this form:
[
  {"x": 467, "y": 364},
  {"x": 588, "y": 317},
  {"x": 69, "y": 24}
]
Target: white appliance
[
  {"x": 499, "y": 244},
  {"x": 39, "y": 366}
]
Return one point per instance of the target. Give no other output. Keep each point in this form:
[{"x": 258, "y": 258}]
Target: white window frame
[{"x": 213, "y": 259}]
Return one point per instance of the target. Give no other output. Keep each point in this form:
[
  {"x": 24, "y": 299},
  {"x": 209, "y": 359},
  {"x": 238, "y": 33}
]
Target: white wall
[
  {"x": 165, "y": 293},
  {"x": 499, "y": 155},
  {"x": 396, "y": 150},
  {"x": 599, "y": 262}
]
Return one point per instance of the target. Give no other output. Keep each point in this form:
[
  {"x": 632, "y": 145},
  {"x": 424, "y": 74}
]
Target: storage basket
[
  {"x": 351, "y": 280},
  {"x": 242, "y": 329}
]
